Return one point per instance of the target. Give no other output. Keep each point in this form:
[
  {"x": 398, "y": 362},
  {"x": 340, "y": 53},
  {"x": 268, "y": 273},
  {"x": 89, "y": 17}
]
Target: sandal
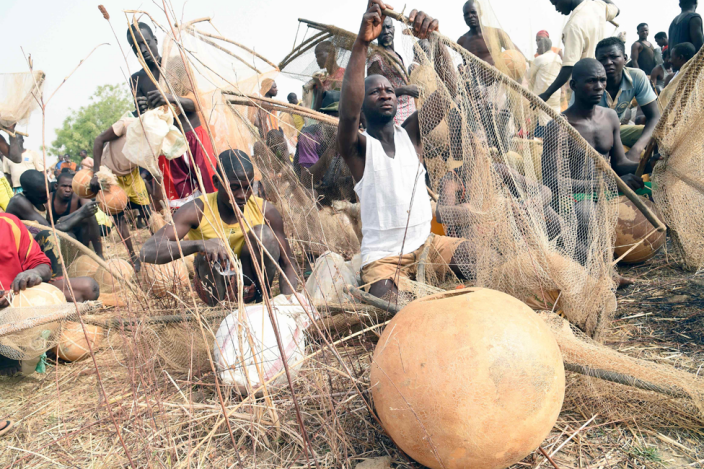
[{"x": 7, "y": 426}]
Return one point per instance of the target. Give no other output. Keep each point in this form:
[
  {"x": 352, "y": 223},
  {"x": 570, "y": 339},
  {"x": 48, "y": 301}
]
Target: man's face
[
  {"x": 590, "y": 86},
  {"x": 542, "y": 45},
  {"x": 83, "y": 154},
  {"x": 64, "y": 188},
  {"x": 661, "y": 41},
  {"x": 643, "y": 32},
  {"x": 147, "y": 46},
  {"x": 379, "y": 99},
  {"x": 273, "y": 91},
  {"x": 321, "y": 55},
  {"x": 563, "y": 6},
  {"x": 292, "y": 99},
  {"x": 471, "y": 15},
  {"x": 240, "y": 187},
  {"x": 677, "y": 61},
  {"x": 386, "y": 38},
  {"x": 612, "y": 59}
]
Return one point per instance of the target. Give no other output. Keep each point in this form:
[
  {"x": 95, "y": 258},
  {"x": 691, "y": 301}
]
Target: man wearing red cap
[{"x": 544, "y": 33}]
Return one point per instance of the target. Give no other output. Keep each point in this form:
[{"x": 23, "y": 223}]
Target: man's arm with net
[
  {"x": 162, "y": 247},
  {"x": 562, "y": 77},
  {"x": 353, "y": 145},
  {"x": 652, "y": 117},
  {"x": 14, "y": 150},
  {"x": 624, "y": 167},
  {"x": 450, "y": 210}
]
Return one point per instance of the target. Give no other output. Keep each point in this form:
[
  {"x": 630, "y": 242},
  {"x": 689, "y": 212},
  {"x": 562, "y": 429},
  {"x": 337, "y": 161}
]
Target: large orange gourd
[
  {"x": 112, "y": 200},
  {"x": 43, "y": 294},
  {"x": 631, "y": 228},
  {"x": 161, "y": 279},
  {"x": 73, "y": 345},
  {"x": 110, "y": 284},
  {"x": 467, "y": 379},
  {"x": 81, "y": 183}
]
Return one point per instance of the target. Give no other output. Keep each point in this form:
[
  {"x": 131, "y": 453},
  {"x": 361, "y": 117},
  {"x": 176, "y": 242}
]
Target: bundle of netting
[
  {"x": 678, "y": 178},
  {"x": 20, "y": 94},
  {"x": 537, "y": 203}
]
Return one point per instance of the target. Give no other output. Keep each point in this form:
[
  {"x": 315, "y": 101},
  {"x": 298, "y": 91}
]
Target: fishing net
[
  {"x": 19, "y": 96},
  {"x": 28, "y": 332},
  {"x": 678, "y": 179},
  {"x": 535, "y": 201}
]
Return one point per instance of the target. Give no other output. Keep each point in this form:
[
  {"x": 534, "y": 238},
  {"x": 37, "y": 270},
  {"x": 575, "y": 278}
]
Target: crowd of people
[{"x": 613, "y": 104}]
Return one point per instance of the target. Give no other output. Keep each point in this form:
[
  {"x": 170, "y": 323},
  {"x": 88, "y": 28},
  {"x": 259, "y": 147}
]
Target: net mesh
[
  {"x": 28, "y": 332},
  {"x": 678, "y": 179},
  {"x": 19, "y": 93},
  {"x": 537, "y": 209}
]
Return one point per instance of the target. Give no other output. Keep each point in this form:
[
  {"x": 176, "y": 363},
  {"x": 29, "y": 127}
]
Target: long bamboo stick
[
  {"x": 540, "y": 104},
  {"x": 297, "y": 51},
  {"x": 245, "y": 48},
  {"x": 228, "y": 52}
]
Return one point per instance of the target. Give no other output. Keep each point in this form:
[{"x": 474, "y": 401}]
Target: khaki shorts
[{"x": 440, "y": 254}]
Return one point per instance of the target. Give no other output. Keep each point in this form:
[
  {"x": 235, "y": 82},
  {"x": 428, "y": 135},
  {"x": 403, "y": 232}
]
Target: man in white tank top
[{"x": 387, "y": 169}]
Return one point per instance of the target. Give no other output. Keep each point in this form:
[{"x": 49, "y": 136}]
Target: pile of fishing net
[
  {"x": 536, "y": 234},
  {"x": 19, "y": 96},
  {"x": 678, "y": 179}
]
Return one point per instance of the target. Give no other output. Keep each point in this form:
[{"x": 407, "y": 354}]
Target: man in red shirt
[{"x": 24, "y": 265}]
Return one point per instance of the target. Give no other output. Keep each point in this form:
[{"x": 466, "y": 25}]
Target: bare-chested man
[
  {"x": 475, "y": 40},
  {"x": 179, "y": 180},
  {"x": 642, "y": 51},
  {"x": 601, "y": 128}
]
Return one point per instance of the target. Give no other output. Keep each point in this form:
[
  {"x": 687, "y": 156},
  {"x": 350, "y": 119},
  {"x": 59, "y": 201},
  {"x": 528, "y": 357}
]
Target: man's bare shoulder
[
  {"x": 608, "y": 116},
  {"x": 18, "y": 206}
]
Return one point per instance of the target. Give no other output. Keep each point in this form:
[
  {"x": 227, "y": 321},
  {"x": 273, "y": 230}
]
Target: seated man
[
  {"x": 385, "y": 162},
  {"x": 455, "y": 213},
  {"x": 206, "y": 218},
  {"x": 661, "y": 72},
  {"x": 623, "y": 84},
  {"x": 601, "y": 128},
  {"x": 317, "y": 163},
  {"x": 24, "y": 265},
  {"x": 679, "y": 56},
  {"x": 72, "y": 214},
  {"x": 107, "y": 150}
]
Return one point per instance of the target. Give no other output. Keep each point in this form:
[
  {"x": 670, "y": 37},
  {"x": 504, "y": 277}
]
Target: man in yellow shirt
[{"x": 214, "y": 232}]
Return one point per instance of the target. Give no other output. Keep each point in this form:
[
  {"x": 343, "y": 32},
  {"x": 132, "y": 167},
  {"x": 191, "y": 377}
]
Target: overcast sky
[{"x": 59, "y": 34}]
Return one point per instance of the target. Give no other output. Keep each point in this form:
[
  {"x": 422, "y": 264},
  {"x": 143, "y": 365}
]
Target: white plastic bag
[
  {"x": 233, "y": 338},
  {"x": 330, "y": 275},
  {"x": 152, "y": 135}
]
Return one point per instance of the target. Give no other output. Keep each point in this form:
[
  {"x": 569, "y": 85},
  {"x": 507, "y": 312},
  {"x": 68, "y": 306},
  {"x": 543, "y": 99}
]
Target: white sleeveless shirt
[{"x": 393, "y": 198}]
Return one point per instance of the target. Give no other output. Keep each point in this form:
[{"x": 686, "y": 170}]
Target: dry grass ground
[{"x": 157, "y": 415}]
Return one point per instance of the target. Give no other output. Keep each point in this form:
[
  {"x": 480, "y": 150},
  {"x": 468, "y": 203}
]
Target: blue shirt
[{"x": 634, "y": 84}]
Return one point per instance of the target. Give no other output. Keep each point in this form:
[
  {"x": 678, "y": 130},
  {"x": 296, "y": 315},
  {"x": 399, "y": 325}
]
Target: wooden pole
[
  {"x": 221, "y": 38},
  {"x": 645, "y": 157}
]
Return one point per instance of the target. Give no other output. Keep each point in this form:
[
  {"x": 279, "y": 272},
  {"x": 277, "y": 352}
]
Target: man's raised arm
[{"x": 352, "y": 145}]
